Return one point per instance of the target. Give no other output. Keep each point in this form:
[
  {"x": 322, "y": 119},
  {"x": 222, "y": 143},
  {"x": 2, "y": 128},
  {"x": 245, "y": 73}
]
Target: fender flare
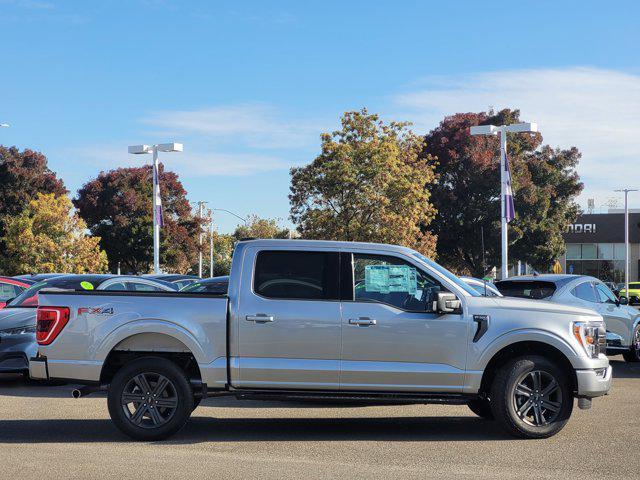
[
  {"x": 528, "y": 335},
  {"x": 143, "y": 326}
]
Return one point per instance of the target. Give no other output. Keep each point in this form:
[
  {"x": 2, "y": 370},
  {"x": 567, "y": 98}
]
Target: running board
[{"x": 369, "y": 398}]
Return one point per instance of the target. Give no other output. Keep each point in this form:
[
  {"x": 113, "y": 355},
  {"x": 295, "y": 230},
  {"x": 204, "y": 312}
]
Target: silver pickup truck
[{"x": 339, "y": 321}]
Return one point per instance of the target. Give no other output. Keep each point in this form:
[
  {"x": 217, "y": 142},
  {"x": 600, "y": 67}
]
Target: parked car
[
  {"x": 483, "y": 287},
  {"x": 38, "y": 277},
  {"x": 18, "y": 318},
  {"x": 634, "y": 293},
  {"x": 180, "y": 281},
  {"x": 325, "y": 320},
  {"x": 11, "y": 288},
  {"x": 622, "y": 321},
  {"x": 215, "y": 285}
]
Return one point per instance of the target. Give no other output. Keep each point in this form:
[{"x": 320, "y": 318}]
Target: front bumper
[{"x": 594, "y": 382}]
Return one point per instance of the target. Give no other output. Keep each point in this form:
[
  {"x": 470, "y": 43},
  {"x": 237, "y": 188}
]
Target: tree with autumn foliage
[
  {"x": 368, "y": 184},
  {"x": 117, "y": 207},
  {"x": 48, "y": 237},
  {"x": 22, "y": 176},
  {"x": 467, "y": 196}
]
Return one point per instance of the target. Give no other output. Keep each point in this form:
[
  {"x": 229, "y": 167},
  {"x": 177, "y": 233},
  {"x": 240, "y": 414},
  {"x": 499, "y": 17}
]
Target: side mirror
[
  {"x": 623, "y": 301},
  {"x": 447, "y": 303}
]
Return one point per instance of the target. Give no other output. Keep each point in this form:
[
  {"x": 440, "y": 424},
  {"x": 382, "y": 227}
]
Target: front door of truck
[
  {"x": 288, "y": 320},
  {"x": 391, "y": 338}
]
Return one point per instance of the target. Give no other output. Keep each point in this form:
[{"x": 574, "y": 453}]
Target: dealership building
[{"x": 595, "y": 246}]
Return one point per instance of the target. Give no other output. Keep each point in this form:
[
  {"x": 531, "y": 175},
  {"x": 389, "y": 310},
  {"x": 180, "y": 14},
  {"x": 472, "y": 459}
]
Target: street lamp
[
  {"x": 5, "y": 125},
  {"x": 157, "y": 204},
  {"x": 245, "y": 220},
  {"x": 502, "y": 130},
  {"x": 626, "y": 237}
]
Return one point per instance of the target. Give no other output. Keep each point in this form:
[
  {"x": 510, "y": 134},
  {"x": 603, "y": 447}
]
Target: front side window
[
  {"x": 606, "y": 295},
  {"x": 300, "y": 275},
  {"x": 391, "y": 280},
  {"x": 8, "y": 291},
  {"x": 585, "y": 291}
]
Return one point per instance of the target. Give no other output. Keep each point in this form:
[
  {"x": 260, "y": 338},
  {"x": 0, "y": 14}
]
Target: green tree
[
  {"x": 48, "y": 237},
  {"x": 117, "y": 206},
  {"x": 367, "y": 184},
  {"x": 467, "y": 196},
  {"x": 257, "y": 227},
  {"x": 22, "y": 176}
]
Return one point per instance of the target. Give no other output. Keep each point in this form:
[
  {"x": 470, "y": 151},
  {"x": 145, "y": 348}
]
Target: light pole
[
  {"x": 505, "y": 181},
  {"x": 157, "y": 202},
  {"x": 210, "y": 212},
  {"x": 626, "y": 237},
  {"x": 200, "y": 208}
]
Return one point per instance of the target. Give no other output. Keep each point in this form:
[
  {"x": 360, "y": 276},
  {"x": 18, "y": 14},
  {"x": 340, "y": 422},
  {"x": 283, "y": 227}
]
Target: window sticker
[
  {"x": 390, "y": 278},
  {"x": 86, "y": 285}
]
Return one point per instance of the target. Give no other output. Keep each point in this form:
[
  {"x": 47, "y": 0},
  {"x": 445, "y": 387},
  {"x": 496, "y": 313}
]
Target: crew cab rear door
[
  {"x": 288, "y": 320},
  {"x": 392, "y": 340}
]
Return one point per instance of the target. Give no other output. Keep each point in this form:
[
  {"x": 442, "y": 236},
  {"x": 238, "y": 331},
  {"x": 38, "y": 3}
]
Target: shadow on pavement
[
  {"x": 206, "y": 429},
  {"x": 622, "y": 369}
]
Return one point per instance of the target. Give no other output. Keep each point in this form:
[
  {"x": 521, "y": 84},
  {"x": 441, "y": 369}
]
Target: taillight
[{"x": 50, "y": 322}]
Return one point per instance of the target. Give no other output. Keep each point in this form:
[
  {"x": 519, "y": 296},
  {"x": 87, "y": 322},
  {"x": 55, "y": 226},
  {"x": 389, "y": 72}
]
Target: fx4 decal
[{"x": 95, "y": 310}]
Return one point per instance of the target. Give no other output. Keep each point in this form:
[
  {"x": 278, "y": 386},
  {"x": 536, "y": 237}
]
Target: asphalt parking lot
[{"x": 46, "y": 434}]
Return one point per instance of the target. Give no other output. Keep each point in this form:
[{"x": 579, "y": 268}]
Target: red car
[{"x": 12, "y": 287}]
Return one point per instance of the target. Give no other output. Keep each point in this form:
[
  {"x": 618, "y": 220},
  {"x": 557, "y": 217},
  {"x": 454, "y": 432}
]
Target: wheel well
[
  {"x": 118, "y": 358},
  {"x": 526, "y": 348}
]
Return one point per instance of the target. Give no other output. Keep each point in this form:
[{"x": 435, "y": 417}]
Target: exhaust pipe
[{"x": 84, "y": 391}]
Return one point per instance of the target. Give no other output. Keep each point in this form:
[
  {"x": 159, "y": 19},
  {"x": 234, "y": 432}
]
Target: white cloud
[
  {"x": 188, "y": 164},
  {"x": 596, "y": 110},
  {"x": 251, "y": 125}
]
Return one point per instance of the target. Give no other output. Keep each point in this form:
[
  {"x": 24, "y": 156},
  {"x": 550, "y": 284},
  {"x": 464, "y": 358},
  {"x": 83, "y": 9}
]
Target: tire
[
  {"x": 196, "y": 402},
  {"x": 521, "y": 411},
  {"x": 162, "y": 410},
  {"x": 633, "y": 354},
  {"x": 482, "y": 408}
]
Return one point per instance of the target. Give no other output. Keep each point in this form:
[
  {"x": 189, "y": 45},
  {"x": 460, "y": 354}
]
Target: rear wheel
[
  {"x": 633, "y": 355},
  {"x": 150, "y": 399},
  {"x": 482, "y": 408},
  {"x": 531, "y": 397}
]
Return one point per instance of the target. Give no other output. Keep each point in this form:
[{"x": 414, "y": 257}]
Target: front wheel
[
  {"x": 633, "y": 354},
  {"x": 150, "y": 399},
  {"x": 531, "y": 397}
]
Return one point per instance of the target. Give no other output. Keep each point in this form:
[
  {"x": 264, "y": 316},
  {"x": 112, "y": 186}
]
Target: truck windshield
[{"x": 447, "y": 274}]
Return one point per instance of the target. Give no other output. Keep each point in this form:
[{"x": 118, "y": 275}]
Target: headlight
[
  {"x": 592, "y": 337},
  {"x": 18, "y": 331}
]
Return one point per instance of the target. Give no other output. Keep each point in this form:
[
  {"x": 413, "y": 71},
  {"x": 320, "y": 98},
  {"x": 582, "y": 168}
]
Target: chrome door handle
[
  {"x": 362, "y": 321},
  {"x": 260, "y": 318}
]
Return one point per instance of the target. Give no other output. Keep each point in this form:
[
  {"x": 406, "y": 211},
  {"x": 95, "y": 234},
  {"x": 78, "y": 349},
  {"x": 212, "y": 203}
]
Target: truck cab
[{"x": 323, "y": 319}]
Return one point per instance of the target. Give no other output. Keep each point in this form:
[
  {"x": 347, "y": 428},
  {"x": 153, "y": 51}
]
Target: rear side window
[
  {"x": 585, "y": 291},
  {"x": 634, "y": 285},
  {"x": 297, "y": 275},
  {"x": 535, "y": 290}
]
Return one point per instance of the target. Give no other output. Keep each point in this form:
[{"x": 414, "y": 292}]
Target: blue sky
[{"x": 248, "y": 86}]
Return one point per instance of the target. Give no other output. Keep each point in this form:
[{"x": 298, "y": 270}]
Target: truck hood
[
  {"x": 17, "y": 317},
  {"x": 543, "y": 306}
]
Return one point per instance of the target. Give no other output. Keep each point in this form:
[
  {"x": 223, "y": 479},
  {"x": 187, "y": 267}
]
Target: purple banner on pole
[
  {"x": 156, "y": 193},
  {"x": 509, "y": 208}
]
